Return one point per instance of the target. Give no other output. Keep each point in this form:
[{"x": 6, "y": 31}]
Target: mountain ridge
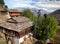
[
  {"x": 56, "y": 12},
  {"x": 34, "y": 10}
]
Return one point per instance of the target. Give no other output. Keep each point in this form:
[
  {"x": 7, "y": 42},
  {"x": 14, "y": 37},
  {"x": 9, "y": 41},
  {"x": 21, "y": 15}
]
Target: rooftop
[
  {"x": 23, "y": 23},
  {"x": 13, "y": 10}
]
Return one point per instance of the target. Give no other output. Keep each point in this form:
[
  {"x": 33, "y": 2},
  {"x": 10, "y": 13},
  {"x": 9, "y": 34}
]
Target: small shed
[{"x": 16, "y": 28}]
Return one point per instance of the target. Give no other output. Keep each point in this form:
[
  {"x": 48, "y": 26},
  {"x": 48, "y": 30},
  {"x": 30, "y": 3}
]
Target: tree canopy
[
  {"x": 39, "y": 13},
  {"x": 2, "y": 2},
  {"x": 45, "y": 27},
  {"x": 6, "y": 6},
  {"x": 29, "y": 14}
]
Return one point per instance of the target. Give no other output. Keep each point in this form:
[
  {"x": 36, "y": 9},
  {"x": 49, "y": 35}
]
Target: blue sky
[{"x": 40, "y": 4}]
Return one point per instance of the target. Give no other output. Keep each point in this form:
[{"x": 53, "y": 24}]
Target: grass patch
[
  {"x": 2, "y": 41},
  {"x": 57, "y": 40},
  {"x": 57, "y": 37}
]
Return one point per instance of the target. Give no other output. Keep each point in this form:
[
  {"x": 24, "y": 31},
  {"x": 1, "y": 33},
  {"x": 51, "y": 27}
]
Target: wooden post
[
  {"x": 6, "y": 38},
  {"x": 12, "y": 41}
]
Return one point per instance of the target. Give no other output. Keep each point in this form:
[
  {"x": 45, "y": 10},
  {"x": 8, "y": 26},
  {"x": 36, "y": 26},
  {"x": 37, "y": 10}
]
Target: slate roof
[
  {"x": 18, "y": 19},
  {"x": 13, "y": 10},
  {"x": 23, "y": 23}
]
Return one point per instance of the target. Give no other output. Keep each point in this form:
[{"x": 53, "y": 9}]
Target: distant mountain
[
  {"x": 57, "y": 12},
  {"x": 34, "y": 10}
]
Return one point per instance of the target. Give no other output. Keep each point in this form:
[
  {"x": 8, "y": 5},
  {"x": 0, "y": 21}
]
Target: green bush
[
  {"x": 46, "y": 27},
  {"x": 29, "y": 14}
]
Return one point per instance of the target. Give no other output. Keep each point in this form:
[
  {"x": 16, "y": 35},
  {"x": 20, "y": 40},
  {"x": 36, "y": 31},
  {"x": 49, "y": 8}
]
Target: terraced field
[{"x": 2, "y": 41}]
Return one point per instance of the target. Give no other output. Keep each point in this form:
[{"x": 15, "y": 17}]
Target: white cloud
[
  {"x": 33, "y": 4},
  {"x": 20, "y": 3},
  {"x": 48, "y": 5}
]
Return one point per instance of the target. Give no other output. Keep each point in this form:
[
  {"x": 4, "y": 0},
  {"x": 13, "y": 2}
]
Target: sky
[{"x": 39, "y": 4}]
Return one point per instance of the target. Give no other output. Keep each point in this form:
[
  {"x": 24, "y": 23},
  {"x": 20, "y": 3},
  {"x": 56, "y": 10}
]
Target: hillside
[
  {"x": 57, "y": 12},
  {"x": 34, "y": 10}
]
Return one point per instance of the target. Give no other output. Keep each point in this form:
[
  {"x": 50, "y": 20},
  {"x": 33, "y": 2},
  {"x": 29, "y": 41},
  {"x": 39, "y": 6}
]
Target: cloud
[
  {"x": 18, "y": 3},
  {"x": 47, "y": 5},
  {"x": 22, "y": 3},
  {"x": 40, "y": 4},
  {"x": 35, "y": 3}
]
